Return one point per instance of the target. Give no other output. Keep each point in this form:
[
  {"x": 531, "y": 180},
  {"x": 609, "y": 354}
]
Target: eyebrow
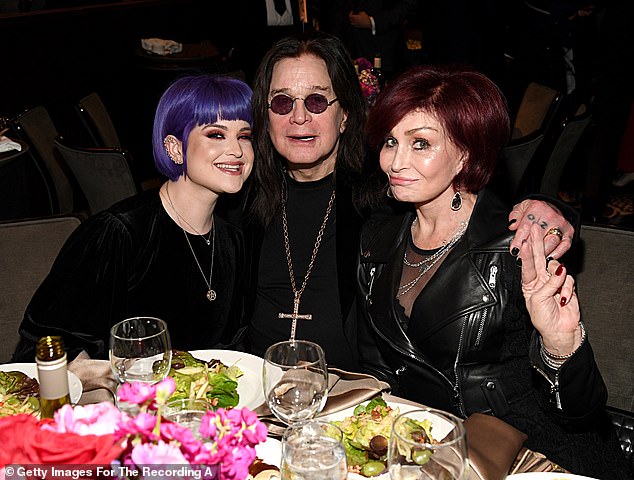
[
  {"x": 223, "y": 127},
  {"x": 319, "y": 88},
  {"x": 417, "y": 129}
]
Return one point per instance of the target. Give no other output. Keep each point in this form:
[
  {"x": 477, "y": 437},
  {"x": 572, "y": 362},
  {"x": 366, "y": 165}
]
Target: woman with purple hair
[{"x": 161, "y": 253}]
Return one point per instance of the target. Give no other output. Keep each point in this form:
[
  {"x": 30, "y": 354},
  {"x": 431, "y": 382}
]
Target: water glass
[
  {"x": 187, "y": 412},
  {"x": 412, "y": 456},
  {"x": 313, "y": 451},
  {"x": 295, "y": 380},
  {"x": 140, "y": 350}
]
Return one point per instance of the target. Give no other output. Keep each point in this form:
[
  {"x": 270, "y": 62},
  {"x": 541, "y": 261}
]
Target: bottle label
[{"x": 53, "y": 378}]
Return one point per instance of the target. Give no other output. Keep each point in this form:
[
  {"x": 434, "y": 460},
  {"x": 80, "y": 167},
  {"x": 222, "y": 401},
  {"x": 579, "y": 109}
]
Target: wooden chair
[
  {"x": 28, "y": 248},
  {"x": 95, "y": 117},
  {"x": 103, "y": 174},
  {"x": 36, "y": 127}
]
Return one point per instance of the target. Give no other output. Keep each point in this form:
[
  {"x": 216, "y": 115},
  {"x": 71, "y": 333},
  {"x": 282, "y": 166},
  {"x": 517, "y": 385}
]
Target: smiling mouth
[
  {"x": 230, "y": 167},
  {"x": 303, "y": 138}
]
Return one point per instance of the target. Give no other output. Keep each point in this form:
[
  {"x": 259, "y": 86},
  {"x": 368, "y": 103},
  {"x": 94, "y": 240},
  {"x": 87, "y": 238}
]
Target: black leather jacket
[{"x": 478, "y": 352}]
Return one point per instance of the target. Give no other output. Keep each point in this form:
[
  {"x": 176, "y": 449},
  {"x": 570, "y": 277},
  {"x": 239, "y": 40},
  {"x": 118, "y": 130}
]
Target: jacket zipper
[
  {"x": 493, "y": 273},
  {"x": 554, "y": 386},
  {"x": 456, "y": 388},
  {"x": 367, "y": 297}
]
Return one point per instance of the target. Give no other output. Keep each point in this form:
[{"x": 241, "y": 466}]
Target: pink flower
[
  {"x": 141, "y": 425},
  {"x": 145, "y": 394},
  {"x": 157, "y": 453},
  {"x": 97, "y": 419}
]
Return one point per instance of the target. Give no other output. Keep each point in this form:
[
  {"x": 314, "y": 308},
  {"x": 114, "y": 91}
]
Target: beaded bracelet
[{"x": 555, "y": 361}]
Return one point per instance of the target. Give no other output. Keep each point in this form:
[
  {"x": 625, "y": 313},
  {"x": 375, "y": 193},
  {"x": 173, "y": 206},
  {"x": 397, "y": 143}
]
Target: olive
[
  {"x": 420, "y": 436},
  {"x": 372, "y": 468},
  {"x": 378, "y": 444},
  {"x": 420, "y": 456}
]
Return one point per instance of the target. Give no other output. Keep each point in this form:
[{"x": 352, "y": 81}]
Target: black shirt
[{"x": 306, "y": 208}]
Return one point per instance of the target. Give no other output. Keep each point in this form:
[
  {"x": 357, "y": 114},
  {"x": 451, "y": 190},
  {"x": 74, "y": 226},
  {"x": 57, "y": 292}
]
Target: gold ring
[{"x": 555, "y": 231}]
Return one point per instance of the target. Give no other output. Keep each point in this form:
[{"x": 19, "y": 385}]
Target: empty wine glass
[
  {"x": 413, "y": 455},
  {"x": 140, "y": 350},
  {"x": 295, "y": 380},
  {"x": 313, "y": 451}
]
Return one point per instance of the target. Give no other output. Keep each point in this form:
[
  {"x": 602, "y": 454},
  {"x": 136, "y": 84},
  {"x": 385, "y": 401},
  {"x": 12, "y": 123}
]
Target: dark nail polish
[
  {"x": 518, "y": 261},
  {"x": 563, "y": 301},
  {"x": 511, "y": 222},
  {"x": 515, "y": 251},
  {"x": 560, "y": 269}
]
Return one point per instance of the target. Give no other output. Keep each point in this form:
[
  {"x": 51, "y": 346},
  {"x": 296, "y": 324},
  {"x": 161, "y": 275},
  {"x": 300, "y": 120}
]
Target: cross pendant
[{"x": 295, "y": 315}]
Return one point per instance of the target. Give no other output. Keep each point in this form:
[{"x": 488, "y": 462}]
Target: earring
[
  {"x": 456, "y": 202},
  {"x": 388, "y": 191},
  {"x": 169, "y": 142}
]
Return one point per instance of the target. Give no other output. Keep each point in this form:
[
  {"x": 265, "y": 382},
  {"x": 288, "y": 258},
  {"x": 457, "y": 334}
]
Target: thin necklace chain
[
  {"x": 289, "y": 260},
  {"x": 211, "y": 293},
  {"x": 169, "y": 199},
  {"x": 426, "y": 264}
]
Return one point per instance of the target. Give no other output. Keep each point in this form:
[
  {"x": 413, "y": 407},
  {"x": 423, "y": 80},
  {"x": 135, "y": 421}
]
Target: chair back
[
  {"x": 97, "y": 120},
  {"x": 537, "y": 109},
  {"x": 103, "y": 174},
  {"x": 36, "y": 127},
  {"x": 514, "y": 161},
  {"x": 605, "y": 285},
  {"x": 570, "y": 133},
  {"x": 28, "y": 248}
]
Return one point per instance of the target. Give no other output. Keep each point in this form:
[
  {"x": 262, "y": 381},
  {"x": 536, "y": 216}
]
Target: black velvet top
[{"x": 134, "y": 260}]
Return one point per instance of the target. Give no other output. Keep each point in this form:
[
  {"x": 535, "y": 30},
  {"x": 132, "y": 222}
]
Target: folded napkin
[
  {"x": 6, "y": 145},
  {"x": 96, "y": 377},
  {"x": 160, "y": 46},
  {"x": 493, "y": 446}
]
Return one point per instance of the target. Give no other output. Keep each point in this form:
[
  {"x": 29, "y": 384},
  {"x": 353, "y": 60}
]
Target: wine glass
[
  {"x": 313, "y": 451},
  {"x": 295, "y": 380},
  {"x": 412, "y": 455},
  {"x": 140, "y": 350}
]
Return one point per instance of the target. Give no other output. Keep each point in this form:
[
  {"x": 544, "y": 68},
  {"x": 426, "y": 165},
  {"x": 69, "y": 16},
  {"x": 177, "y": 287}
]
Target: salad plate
[
  {"x": 250, "y": 383},
  {"x": 547, "y": 476},
  {"x": 74, "y": 384}
]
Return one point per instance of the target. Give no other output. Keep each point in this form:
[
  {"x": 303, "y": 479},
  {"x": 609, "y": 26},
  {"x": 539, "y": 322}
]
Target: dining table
[{"x": 495, "y": 448}]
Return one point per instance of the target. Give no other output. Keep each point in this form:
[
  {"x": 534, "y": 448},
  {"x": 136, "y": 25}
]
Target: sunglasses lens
[
  {"x": 316, "y": 103},
  {"x": 281, "y": 104}
]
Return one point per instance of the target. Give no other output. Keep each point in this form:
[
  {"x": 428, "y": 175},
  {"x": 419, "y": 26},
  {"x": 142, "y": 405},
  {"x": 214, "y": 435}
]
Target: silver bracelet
[{"x": 555, "y": 361}]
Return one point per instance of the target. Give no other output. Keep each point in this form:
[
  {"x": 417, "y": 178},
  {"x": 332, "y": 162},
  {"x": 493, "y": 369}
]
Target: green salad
[
  {"x": 19, "y": 393},
  {"x": 198, "y": 379},
  {"x": 366, "y": 435}
]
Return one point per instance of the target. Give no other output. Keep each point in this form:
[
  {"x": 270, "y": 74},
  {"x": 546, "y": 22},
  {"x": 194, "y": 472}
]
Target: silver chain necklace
[
  {"x": 426, "y": 264},
  {"x": 211, "y": 293},
  {"x": 169, "y": 199},
  {"x": 297, "y": 294}
]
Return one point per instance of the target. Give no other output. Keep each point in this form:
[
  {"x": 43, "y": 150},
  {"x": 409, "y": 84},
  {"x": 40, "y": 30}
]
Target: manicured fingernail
[
  {"x": 512, "y": 221},
  {"x": 515, "y": 251},
  {"x": 560, "y": 269},
  {"x": 563, "y": 301},
  {"x": 518, "y": 261}
]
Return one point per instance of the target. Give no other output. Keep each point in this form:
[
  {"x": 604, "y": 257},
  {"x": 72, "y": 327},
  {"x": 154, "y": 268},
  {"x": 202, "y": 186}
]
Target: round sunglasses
[{"x": 315, "y": 103}]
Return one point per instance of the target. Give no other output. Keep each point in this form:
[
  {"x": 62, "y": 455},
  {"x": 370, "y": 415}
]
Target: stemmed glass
[
  {"x": 140, "y": 350},
  {"x": 313, "y": 451},
  {"x": 295, "y": 380},
  {"x": 412, "y": 455}
]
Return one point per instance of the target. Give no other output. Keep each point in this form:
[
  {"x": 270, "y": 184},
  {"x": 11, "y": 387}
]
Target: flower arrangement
[
  {"x": 368, "y": 81},
  {"x": 105, "y": 437}
]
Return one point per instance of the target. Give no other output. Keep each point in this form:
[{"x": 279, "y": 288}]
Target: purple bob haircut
[
  {"x": 469, "y": 106},
  {"x": 192, "y": 101}
]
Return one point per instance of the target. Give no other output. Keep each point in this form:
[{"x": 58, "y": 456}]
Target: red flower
[{"x": 24, "y": 442}]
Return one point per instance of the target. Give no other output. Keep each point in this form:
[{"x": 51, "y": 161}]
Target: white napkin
[
  {"x": 6, "y": 144},
  {"x": 160, "y": 46}
]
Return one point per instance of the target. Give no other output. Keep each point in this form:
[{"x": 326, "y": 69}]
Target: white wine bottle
[{"x": 51, "y": 362}]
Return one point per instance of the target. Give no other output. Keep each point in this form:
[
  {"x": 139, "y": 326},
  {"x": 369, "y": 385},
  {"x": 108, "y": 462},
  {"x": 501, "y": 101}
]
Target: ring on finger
[{"x": 555, "y": 231}]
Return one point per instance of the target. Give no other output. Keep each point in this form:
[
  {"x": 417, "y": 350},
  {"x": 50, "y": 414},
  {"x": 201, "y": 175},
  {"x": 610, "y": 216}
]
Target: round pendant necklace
[{"x": 211, "y": 239}]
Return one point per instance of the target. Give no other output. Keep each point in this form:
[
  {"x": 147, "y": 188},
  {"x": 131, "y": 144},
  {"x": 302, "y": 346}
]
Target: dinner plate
[
  {"x": 74, "y": 384},
  {"x": 249, "y": 384},
  {"x": 441, "y": 427},
  {"x": 270, "y": 451},
  {"x": 547, "y": 476}
]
